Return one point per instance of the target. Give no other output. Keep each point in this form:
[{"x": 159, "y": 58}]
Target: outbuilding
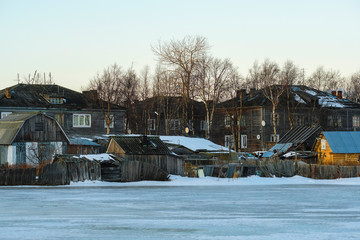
[
  {"x": 338, "y": 148},
  {"x": 30, "y": 138}
]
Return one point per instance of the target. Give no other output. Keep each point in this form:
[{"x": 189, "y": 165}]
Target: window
[
  {"x": 203, "y": 125},
  {"x": 272, "y": 138},
  {"x": 60, "y": 118},
  {"x": 323, "y": 144},
  {"x": 227, "y": 121},
  {"x": 4, "y": 114},
  {"x": 242, "y": 121},
  {"x": 356, "y": 121},
  {"x": 334, "y": 121},
  {"x": 191, "y": 125},
  {"x": 229, "y": 141},
  {"x": 81, "y": 120},
  {"x": 298, "y": 120},
  {"x": 112, "y": 121},
  {"x": 56, "y": 100},
  {"x": 174, "y": 124},
  {"x": 277, "y": 119},
  {"x": 151, "y": 124},
  {"x": 243, "y": 141}
]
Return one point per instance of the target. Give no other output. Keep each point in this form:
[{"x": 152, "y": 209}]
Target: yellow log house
[{"x": 338, "y": 148}]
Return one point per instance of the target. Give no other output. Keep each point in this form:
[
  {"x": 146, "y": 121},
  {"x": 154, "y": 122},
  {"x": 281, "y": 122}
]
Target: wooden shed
[
  {"x": 338, "y": 148},
  {"x": 148, "y": 149},
  {"x": 30, "y": 138}
]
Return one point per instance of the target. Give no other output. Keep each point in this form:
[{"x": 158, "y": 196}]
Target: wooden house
[
  {"x": 338, "y": 148},
  {"x": 148, "y": 149},
  {"x": 246, "y": 122},
  {"x": 79, "y": 114},
  {"x": 30, "y": 138},
  {"x": 83, "y": 146}
]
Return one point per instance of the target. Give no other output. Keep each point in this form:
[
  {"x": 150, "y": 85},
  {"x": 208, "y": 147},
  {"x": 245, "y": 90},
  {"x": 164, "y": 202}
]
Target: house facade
[
  {"x": 30, "y": 138},
  {"x": 79, "y": 114},
  {"x": 246, "y": 122}
]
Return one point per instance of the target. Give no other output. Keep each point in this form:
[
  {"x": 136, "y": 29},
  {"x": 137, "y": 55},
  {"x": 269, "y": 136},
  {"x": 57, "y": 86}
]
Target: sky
[{"x": 76, "y": 39}]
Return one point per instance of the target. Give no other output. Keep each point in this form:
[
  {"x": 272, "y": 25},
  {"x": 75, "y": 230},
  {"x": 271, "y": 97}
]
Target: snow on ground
[{"x": 213, "y": 181}]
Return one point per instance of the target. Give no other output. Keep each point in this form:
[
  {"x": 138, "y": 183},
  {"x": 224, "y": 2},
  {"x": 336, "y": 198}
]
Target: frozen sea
[{"x": 208, "y": 208}]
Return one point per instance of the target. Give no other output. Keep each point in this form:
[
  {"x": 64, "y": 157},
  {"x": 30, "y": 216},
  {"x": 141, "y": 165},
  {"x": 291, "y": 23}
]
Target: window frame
[
  {"x": 272, "y": 137},
  {"x": 356, "y": 119},
  {"x": 112, "y": 125},
  {"x": 229, "y": 141},
  {"x": 84, "y": 116},
  {"x": 151, "y": 124},
  {"x": 244, "y": 141},
  {"x": 227, "y": 121}
]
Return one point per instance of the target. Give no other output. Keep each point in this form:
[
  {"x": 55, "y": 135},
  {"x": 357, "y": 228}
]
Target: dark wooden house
[
  {"x": 246, "y": 122},
  {"x": 79, "y": 114},
  {"x": 149, "y": 149},
  {"x": 162, "y": 115},
  {"x": 83, "y": 146},
  {"x": 30, "y": 138}
]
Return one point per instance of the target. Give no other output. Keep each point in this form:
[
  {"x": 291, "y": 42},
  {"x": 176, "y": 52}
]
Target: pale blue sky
[{"x": 75, "y": 39}]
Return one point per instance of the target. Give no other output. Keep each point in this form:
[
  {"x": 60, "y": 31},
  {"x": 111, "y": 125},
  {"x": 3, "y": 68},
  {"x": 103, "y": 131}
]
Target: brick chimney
[
  {"x": 339, "y": 94},
  {"x": 333, "y": 93}
]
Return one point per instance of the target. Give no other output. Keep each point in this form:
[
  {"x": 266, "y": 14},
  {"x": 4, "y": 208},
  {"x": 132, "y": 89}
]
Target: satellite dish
[
  {"x": 258, "y": 136},
  {"x": 263, "y": 123}
]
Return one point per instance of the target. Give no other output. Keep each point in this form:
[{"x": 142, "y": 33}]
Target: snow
[
  {"x": 330, "y": 101},
  {"x": 311, "y": 92},
  {"x": 252, "y": 208},
  {"x": 299, "y": 99},
  {"x": 97, "y": 157},
  {"x": 176, "y": 181},
  {"x": 193, "y": 144}
]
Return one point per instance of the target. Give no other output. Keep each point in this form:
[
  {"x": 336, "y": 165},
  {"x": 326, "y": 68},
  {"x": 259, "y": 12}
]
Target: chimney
[
  {"x": 339, "y": 94},
  {"x": 333, "y": 93}
]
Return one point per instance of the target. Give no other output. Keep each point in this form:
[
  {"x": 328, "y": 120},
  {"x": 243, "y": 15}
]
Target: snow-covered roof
[
  {"x": 97, "y": 157},
  {"x": 194, "y": 144}
]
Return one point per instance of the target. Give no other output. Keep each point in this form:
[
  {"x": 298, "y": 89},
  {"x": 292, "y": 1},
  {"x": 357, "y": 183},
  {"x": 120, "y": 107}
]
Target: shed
[
  {"x": 30, "y": 138},
  {"x": 338, "y": 148},
  {"x": 83, "y": 146},
  {"x": 148, "y": 149}
]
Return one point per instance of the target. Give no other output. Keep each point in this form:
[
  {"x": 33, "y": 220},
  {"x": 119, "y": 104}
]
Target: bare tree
[
  {"x": 325, "y": 80},
  {"x": 272, "y": 87},
  {"x": 254, "y": 77},
  {"x": 108, "y": 88},
  {"x": 213, "y": 80},
  {"x": 353, "y": 87},
  {"x": 181, "y": 57}
]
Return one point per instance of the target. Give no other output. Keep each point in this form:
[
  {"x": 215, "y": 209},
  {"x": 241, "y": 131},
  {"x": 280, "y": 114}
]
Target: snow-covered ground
[
  {"x": 185, "y": 208},
  {"x": 213, "y": 181}
]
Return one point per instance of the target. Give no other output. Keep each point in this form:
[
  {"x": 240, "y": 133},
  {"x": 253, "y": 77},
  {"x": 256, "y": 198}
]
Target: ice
[{"x": 185, "y": 208}]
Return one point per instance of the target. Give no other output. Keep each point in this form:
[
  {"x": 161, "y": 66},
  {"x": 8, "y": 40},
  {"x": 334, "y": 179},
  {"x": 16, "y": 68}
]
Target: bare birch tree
[{"x": 181, "y": 57}]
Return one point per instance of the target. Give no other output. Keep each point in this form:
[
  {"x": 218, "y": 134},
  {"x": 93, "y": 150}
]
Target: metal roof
[
  {"x": 278, "y": 148},
  {"x": 142, "y": 145},
  {"x": 83, "y": 142},
  {"x": 343, "y": 142}
]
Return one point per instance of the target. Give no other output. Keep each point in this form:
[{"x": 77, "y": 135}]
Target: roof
[
  {"x": 194, "y": 144},
  {"x": 343, "y": 142},
  {"x": 293, "y": 138},
  {"x": 11, "y": 125},
  {"x": 83, "y": 142},
  {"x": 38, "y": 95},
  {"x": 139, "y": 145},
  {"x": 299, "y": 95}
]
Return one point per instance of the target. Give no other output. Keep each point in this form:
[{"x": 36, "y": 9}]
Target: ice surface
[{"x": 185, "y": 208}]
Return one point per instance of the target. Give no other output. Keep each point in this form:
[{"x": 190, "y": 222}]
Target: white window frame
[
  {"x": 229, "y": 141},
  {"x": 323, "y": 144},
  {"x": 227, "y": 121},
  {"x": 243, "y": 141},
  {"x": 79, "y": 124},
  {"x": 4, "y": 114},
  {"x": 272, "y": 138},
  {"x": 356, "y": 121},
  {"x": 112, "y": 121},
  {"x": 151, "y": 124}
]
